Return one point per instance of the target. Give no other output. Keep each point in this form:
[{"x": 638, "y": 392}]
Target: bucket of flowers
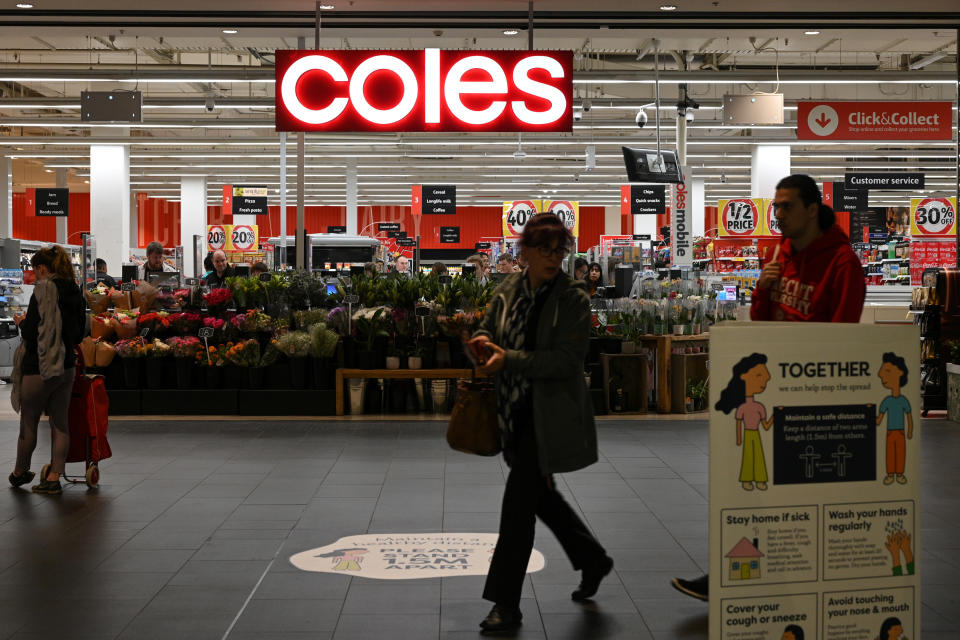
[
  {"x": 124, "y": 323},
  {"x": 131, "y": 352},
  {"x": 157, "y": 353},
  {"x": 246, "y": 355},
  {"x": 217, "y": 301},
  {"x": 184, "y": 351},
  {"x": 296, "y": 346}
]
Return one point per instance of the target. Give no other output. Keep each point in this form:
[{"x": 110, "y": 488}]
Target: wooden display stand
[
  {"x": 685, "y": 367},
  {"x": 664, "y": 346},
  {"x": 631, "y": 368},
  {"x": 394, "y": 374}
]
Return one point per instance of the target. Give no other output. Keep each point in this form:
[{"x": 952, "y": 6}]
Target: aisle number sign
[
  {"x": 517, "y": 213},
  {"x": 741, "y": 217},
  {"x": 933, "y": 217},
  {"x": 239, "y": 238},
  {"x": 815, "y": 481}
]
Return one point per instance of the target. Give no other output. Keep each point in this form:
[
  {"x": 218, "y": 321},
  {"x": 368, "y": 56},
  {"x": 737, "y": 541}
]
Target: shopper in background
[
  {"x": 580, "y": 268},
  {"x": 439, "y": 269},
  {"x": 207, "y": 265},
  {"x": 221, "y": 271},
  {"x": 533, "y": 339},
  {"x": 505, "y": 263},
  {"x": 102, "y": 276},
  {"x": 813, "y": 276},
  {"x": 594, "y": 278},
  {"x": 154, "y": 264},
  {"x": 44, "y": 364},
  {"x": 402, "y": 265},
  {"x": 479, "y": 266},
  {"x": 258, "y": 268}
]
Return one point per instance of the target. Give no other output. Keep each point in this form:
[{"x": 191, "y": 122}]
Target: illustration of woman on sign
[
  {"x": 750, "y": 377},
  {"x": 345, "y": 559}
]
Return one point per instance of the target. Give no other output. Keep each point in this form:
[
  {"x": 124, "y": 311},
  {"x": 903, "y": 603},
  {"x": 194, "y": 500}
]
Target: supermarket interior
[{"x": 290, "y": 221}]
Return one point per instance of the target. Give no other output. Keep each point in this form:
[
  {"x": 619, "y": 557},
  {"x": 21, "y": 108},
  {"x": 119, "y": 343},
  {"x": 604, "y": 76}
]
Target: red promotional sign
[
  {"x": 427, "y": 90},
  {"x": 417, "y": 200},
  {"x": 874, "y": 120},
  {"x": 228, "y": 198},
  {"x": 624, "y": 200},
  {"x": 926, "y": 254}
]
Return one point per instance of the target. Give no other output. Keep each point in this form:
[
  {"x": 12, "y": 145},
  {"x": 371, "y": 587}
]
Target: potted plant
[
  {"x": 296, "y": 346},
  {"x": 323, "y": 347},
  {"x": 210, "y": 360},
  {"x": 697, "y": 391},
  {"x": 393, "y": 358},
  {"x": 369, "y": 326}
]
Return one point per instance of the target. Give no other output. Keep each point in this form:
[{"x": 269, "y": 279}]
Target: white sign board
[
  {"x": 681, "y": 225},
  {"x": 814, "y": 481},
  {"x": 402, "y": 556}
]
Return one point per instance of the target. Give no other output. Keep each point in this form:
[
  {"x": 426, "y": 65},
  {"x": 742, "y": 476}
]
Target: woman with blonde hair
[{"x": 44, "y": 364}]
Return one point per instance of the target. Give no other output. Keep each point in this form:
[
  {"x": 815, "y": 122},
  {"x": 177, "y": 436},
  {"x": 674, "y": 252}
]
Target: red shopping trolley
[{"x": 87, "y": 423}]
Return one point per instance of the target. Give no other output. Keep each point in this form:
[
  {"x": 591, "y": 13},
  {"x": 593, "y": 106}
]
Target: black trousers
[{"x": 530, "y": 495}]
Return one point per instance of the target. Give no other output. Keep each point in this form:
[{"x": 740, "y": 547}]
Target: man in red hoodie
[{"x": 814, "y": 276}]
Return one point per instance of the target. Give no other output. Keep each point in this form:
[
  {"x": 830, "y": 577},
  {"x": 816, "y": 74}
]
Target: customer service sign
[
  {"x": 815, "y": 473},
  {"x": 874, "y": 120}
]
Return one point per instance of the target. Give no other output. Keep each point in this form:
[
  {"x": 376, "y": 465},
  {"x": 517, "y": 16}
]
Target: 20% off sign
[
  {"x": 216, "y": 237},
  {"x": 243, "y": 237}
]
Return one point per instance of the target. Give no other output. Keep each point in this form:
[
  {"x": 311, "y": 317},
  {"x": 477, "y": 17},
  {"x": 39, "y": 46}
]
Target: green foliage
[
  {"x": 295, "y": 344},
  {"x": 370, "y": 324},
  {"x": 698, "y": 388},
  {"x": 307, "y": 318},
  {"x": 323, "y": 341}
]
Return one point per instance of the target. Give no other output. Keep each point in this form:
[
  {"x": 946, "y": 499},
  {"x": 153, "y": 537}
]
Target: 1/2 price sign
[
  {"x": 770, "y": 220},
  {"x": 933, "y": 217},
  {"x": 516, "y": 214},
  {"x": 740, "y": 217},
  {"x": 216, "y": 237}
]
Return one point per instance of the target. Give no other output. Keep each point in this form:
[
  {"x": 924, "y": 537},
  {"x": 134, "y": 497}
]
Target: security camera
[
  {"x": 209, "y": 104},
  {"x": 641, "y": 118},
  {"x": 587, "y": 104},
  {"x": 578, "y": 115},
  {"x": 689, "y": 116}
]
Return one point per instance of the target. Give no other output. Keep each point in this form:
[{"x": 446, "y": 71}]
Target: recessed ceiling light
[
  {"x": 326, "y": 7},
  {"x": 24, "y": 5},
  {"x": 668, "y": 7},
  {"x": 811, "y": 33},
  {"x": 230, "y": 31},
  {"x": 510, "y": 32}
]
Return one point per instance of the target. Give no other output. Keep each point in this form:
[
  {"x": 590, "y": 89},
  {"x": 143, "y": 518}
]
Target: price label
[
  {"x": 739, "y": 217},
  {"x": 205, "y": 332},
  {"x": 422, "y": 311},
  {"x": 145, "y": 332},
  {"x": 191, "y": 282},
  {"x": 516, "y": 214},
  {"x": 933, "y": 217},
  {"x": 216, "y": 237},
  {"x": 265, "y": 277},
  {"x": 128, "y": 286},
  {"x": 243, "y": 237},
  {"x": 351, "y": 299},
  {"x": 445, "y": 279}
]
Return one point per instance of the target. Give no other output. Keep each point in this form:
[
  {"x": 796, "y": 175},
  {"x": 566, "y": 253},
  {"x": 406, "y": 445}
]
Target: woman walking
[
  {"x": 44, "y": 364},
  {"x": 534, "y": 339}
]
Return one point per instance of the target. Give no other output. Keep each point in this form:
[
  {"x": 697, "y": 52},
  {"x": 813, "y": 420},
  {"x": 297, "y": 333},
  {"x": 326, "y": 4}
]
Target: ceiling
[{"x": 177, "y": 54}]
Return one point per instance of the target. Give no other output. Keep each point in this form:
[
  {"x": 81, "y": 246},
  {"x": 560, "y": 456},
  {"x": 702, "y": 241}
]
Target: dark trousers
[
  {"x": 39, "y": 396},
  {"x": 530, "y": 495}
]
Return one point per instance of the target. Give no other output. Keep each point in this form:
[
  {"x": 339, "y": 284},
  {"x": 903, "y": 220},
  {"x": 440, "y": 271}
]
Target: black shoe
[
  {"x": 694, "y": 588},
  {"x": 501, "y": 619},
  {"x": 590, "y": 581},
  {"x": 22, "y": 479},
  {"x": 50, "y": 487}
]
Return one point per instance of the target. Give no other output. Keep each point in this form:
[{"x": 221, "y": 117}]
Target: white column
[
  {"x": 110, "y": 202},
  {"x": 351, "y": 186},
  {"x": 768, "y": 165},
  {"x": 134, "y": 220},
  {"x": 62, "y": 226},
  {"x": 611, "y": 221},
  {"x": 698, "y": 205},
  {"x": 193, "y": 219},
  {"x": 6, "y": 197}
]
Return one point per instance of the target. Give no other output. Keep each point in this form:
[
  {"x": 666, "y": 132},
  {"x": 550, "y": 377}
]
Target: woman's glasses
[{"x": 559, "y": 252}]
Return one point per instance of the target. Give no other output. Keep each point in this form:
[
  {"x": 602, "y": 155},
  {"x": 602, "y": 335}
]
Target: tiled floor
[{"x": 190, "y": 533}]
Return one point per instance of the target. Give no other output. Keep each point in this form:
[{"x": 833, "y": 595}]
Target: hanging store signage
[
  {"x": 53, "y": 203},
  {"x": 566, "y": 210},
  {"x": 216, "y": 237},
  {"x": 388, "y": 226},
  {"x": 741, "y": 217},
  {"x": 855, "y": 181},
  {"x": 434, "y": 199},
  {"x": 643, "y": 199},
  {"x": 482, "y": 246},
  {"x": 427, "y": 90},
  {"x": 244, "y": 200},
  {"x": 874, "y": 120},
  {"x": 450, "y": 235},
  {"x": 933, "y": 217},
  {"x": 402, "y": 556},
  {"x": 770, "y": 222},
  {"x": 516, "y": 214},
  {"x": 681, "y": 227},
  {"x": 406, "y": 242},
  {"x": 243, "y": 238},
  {"x": 837, "y": 196},
  {"x": 815, "y": 478},
  {"x": 336, "y": 229}
]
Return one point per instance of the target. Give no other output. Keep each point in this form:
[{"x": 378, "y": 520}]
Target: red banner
[
  {"x": 427, "y": 90},
  {"x": 926, "y": 254},
  {"x": 874, "y": 120}
]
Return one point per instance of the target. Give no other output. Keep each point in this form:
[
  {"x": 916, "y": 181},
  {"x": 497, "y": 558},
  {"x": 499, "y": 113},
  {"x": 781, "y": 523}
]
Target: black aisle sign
[
  {"x": 439, "y": 199},
  {"x": 52, "y": 203},
  {"x": 903, "y": 181},
  {"x": 388, "y": 226},
  {"x": 450, "y": 235},
  {"x": 336, "y": 229},
  {"x": 641, "y": 237},
  {"x": 406, "y": 242},
  {"x": 845, "y": 199},
  {"x": 648, "y": 199},
  {"x": 871, "y": 221},
  {"x": 482, "y": 246},
  {"x": 249, "y": 201},
  {"x": 813, "y": 444}
]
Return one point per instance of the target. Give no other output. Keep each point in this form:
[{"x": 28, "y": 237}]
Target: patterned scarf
[{"x": 514, "y": 391}]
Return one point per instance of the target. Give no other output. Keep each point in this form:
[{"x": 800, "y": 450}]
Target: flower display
[
  {"x": 158, "y": 349},
  {"x": 245, "y": 353},
  {"x": 294, "y": 344},
  {"x": 186, "y": 322},
  {"x": 460, "y": 323},
  {"x": 217, "y": 297},
  {"x": 252, "y": 321},
  {"x": 132, "y": 348},
  {"x": 185, "y": 347},
  {"x": 156, "y": 321}
]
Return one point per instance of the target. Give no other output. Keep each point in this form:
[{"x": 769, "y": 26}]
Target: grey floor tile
[
  {"x": 289, "y": 615},
  {"x": 377, "y": 627}
]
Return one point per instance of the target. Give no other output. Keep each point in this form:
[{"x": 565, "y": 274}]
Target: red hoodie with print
[{"x": 822, "y": 283}]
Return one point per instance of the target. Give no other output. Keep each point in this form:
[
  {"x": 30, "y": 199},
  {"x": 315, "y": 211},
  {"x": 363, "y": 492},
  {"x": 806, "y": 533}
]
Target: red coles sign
[{"x": 429, "y": 90}]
